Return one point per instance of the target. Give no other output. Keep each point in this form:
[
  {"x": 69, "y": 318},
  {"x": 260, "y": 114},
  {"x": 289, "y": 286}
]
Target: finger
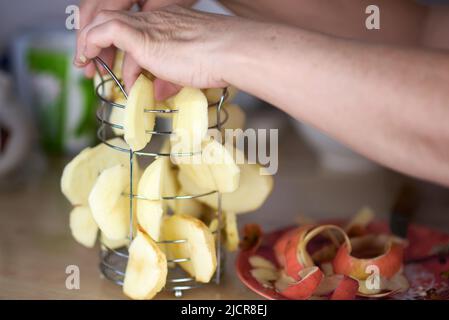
[
  {"x": 131, "y": 70},
  {"x": 102, "y": 17},
  {"x": 113, "y": 32},
  {"x": 164, "y": 89}
]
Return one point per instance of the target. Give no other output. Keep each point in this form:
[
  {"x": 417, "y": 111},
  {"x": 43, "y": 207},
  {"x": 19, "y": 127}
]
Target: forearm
[
  {"x": 389, "y": 103},
  {"x": 401, "y": 20}
]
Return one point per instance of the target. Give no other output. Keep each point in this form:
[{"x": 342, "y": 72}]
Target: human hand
[
  {"x": 179, "y": 45},
  {"x": 89, "y": 9}
]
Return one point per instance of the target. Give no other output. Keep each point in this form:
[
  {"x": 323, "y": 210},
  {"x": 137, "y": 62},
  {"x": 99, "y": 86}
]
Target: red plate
[{"x": 423, "y": 276}]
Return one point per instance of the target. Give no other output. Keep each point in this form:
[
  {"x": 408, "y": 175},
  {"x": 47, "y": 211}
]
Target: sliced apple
[
  {"x": 110, "y": 208},
  {"x": 235, "y": 116},
  {"x": 150, "y": 184},
  {"x": 113, "y": 243},
  {"x": 80, "y": 174},
  {"x": 149, "y": 216},
  {"x": 199, "y": 246},
  {"x": 251, "y": 193},
  {"x": 108, "y": 189},
  {"x": 259, "y": 262},
  {"x": 214, "y": 94},
  {"x": 136, "y": 122},
  {"x": 190, "y": 207},
  {"x": 190, "y": 123},
  {"x": 170, "y": 184},
  {"x": 231, "y": 231},
  {"x": 225, "y": 172},
  {"x": 146, "y": 271},
  {"x": 83, "y": 226}
]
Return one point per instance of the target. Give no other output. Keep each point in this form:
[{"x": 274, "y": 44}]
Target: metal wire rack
[{"x": 113, "y": 261}]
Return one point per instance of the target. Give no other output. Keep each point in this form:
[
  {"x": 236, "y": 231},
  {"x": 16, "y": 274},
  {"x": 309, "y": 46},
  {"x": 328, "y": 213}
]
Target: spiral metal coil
[{"x": 113, "y": 261}]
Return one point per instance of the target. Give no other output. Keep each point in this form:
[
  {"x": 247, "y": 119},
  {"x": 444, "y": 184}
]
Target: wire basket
[{"x": 113, "y": 261}]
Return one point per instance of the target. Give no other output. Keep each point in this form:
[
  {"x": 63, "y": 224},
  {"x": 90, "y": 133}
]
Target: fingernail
[{"x": 79, "y": 61}]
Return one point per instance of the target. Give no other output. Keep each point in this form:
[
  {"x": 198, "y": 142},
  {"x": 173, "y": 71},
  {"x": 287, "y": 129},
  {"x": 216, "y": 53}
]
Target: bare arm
[
  {"x": 389, "y": 103},
  {"x": 401, "y": 20}
]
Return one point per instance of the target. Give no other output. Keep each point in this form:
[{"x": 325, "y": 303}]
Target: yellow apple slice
[
  {"x": 216, "y": 170},
  {"x": 83, "y": 226},
  {"x": 214, "y": 94},
  {"x": 190, "y": 207},
  {"x": 150, "y": 184},
  {"x": 135, "y": 121},
  {"x": 150, "y": 209},
  {"x": 225, "y": 172},
  {"x": 80, "y": 174},
  {"x": 149, "y": 216},
  {"x": 199, "y": 246},
  {"x": 231, "y": 231},
  {"x": 252, "y": 192},
  {"x": 146, "y": 271},
  {"x": 108, "y": 189},
  {"x": 235, "y": 118},
  {"x": 113, "y": 243},
  {"x": 110, "y": 208},
  {"x": 190, "y": 123}
]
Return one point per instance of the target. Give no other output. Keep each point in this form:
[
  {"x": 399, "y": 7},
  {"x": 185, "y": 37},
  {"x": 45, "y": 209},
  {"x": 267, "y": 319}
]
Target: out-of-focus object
[
  {"x": 331, "y": 154},
  {"x": 57, "y": 94},
  {"x": 15, "y": 131}
]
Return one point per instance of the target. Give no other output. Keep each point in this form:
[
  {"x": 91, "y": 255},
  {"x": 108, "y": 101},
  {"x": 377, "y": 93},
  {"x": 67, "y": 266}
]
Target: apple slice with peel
[
  {"x": 309, "y": 280},
  {"x": 81, "y": 173},
  {"x": 232, "y": 239},
  {"x": 384, "y": 252},
  {"x": 251, "y": 193},
  {"x": 136, "y": 122},
  {"x": 146, "y": 271},
  {"x": 190, "y": 123},
  {"x": 199, "y": 247},
  {"x": 83, "y": 226}
]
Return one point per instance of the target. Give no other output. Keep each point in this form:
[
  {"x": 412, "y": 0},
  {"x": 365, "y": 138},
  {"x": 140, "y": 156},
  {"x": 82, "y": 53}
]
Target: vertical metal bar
[
  {"x": 131, "y": 195},
  {"x": 218, "y": 245},
  {"x": 219, "y": 213}
]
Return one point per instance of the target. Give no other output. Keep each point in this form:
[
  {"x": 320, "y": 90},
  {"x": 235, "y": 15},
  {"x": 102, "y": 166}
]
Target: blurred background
[{"x": 47, "y": 116}]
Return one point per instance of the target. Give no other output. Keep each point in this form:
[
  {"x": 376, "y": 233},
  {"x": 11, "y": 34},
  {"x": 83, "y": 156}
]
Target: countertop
[{"x": 36, "y": 245}]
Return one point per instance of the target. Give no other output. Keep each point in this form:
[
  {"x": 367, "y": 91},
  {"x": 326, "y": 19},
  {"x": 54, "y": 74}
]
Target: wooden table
[{"x": 36, "y": 245}]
